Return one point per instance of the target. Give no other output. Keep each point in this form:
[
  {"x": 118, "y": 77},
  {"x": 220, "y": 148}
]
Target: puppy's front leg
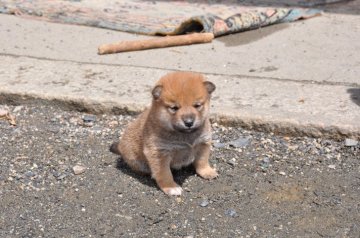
[
  {"x": 161, "y": 172},
  {"x": 201, "y": 163}
]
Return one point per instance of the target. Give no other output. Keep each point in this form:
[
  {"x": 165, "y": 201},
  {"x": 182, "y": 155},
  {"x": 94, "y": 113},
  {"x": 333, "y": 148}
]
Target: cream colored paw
[
  {"x": 175, "y": 191},
  {"x": 207, "y": 173}
]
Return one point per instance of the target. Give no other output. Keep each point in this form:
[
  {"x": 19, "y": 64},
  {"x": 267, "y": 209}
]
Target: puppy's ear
[
  {"x": 210, "y": 87},
  {"x": 156, "y": 92}
]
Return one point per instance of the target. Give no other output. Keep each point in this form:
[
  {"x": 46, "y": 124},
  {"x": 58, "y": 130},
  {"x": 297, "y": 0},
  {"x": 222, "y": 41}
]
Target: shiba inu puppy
[{"x": 174, "y": 132}]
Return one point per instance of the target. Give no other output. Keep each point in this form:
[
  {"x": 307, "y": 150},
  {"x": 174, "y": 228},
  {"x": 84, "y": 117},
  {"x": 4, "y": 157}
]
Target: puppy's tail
[{"x": 114, "y": 148}]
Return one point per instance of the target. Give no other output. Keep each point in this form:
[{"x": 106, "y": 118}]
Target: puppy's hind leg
[
  {"x": 139, "y": 167},
  {"x": 131, "y": 159}
]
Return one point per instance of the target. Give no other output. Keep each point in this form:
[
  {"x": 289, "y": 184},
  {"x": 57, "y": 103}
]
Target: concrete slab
[
  {"x": 299, "y": 78},
  {"x": 272, "y": 105},
  {"x": 321, "y": 49}
]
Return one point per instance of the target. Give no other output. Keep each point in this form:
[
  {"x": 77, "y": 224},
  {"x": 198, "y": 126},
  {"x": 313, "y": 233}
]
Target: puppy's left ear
[
  {"x": 210, "y": 87},
  {"x": 156, "y": 92}
]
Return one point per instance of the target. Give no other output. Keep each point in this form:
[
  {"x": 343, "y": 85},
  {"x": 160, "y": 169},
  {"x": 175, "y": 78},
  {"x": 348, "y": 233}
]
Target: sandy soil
[{"x": 269, "y": 186}]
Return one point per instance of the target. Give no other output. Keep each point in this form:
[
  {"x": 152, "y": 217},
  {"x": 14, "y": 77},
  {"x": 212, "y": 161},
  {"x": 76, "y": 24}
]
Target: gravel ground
[{"x": 58, "y": 179}]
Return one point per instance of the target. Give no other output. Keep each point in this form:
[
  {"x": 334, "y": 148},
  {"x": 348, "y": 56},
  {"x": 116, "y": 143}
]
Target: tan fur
[{"x": 161, "y": 138}]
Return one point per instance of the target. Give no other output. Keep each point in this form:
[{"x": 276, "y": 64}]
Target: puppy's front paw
[
  {"x": 207, "y": 173},
  {"x": 174, "y": 191}
]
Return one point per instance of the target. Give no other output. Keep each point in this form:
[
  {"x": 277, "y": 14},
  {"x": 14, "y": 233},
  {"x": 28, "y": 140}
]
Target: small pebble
[
  {"x": 204, "y": 203},
  {"x": 265, "y": 164},
  {"x": 219, "y": 145},
  {"x": 78, "y": 169},
  {"x": 56, "y": 173},
  {"x": 282, "y": 173},
  {"x": 266, "y": 160},
  {"x": 332, "y": 166},
  {"x": 230, "y": 212},
  {"x": 240, "y": 142},
  {"x": 18, "y": 108},
  {"x": 293, "y": 147},
  {"x": 62, "y": 176},
  {"x": 89, "y": 118},
  {"x": 113, "y": 123},
  {"x": 74, "y": 120},
  {"x": 351, "y": 142},
  {"x": 232, "y": 162},
  {"x": 29, "y": 174}
]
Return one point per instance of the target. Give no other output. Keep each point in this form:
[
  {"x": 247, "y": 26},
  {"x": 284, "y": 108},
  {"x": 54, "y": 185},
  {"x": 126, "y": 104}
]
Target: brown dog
[{"x": 174, "y": 132}]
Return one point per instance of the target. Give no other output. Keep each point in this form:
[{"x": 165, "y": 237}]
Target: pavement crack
[{"x": 175, "y": 69}]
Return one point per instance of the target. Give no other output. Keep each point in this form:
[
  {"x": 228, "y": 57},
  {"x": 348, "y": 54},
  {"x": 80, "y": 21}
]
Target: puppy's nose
[{"x": 188, "y": 121}]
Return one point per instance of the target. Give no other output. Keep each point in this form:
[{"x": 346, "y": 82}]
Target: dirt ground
[{"x": 269, "y": 186}]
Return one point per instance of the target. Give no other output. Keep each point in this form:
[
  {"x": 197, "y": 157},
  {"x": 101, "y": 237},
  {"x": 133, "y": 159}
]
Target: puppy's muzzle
[{"x": 188, "y": 121}]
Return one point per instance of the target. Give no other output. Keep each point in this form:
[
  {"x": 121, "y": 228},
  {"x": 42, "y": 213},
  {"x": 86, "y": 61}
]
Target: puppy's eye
[
  {"x": 198, "y": 106},
  {"x": 173, "y": 109}
]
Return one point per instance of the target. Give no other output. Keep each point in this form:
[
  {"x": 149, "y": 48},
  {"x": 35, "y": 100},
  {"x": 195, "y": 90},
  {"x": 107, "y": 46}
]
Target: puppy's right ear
[{"x": 156, "y": 92}]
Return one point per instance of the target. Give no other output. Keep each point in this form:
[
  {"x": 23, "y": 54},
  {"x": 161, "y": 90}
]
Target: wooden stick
[{"x": 167, "y": 41}]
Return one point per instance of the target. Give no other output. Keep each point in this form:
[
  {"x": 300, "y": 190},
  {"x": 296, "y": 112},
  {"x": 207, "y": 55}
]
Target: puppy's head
[{"x": 181, "y": 101}]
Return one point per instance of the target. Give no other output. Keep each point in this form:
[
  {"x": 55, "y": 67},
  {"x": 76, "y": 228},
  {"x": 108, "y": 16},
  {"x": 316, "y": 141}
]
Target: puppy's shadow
[
  {"x": 354, "y": 95},
  {"x": 180, "y": 176}
]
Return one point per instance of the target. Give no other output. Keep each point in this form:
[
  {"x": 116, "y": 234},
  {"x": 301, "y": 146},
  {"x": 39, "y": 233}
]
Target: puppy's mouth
[{"x": 186, "y": 130}]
